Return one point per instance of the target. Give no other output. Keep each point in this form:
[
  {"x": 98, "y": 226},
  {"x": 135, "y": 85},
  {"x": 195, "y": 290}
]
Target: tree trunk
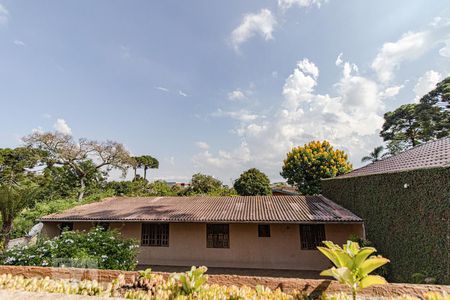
[
  {"x": 82, "y": 189},
  {"x": 145, "y": 172},
  {"x": 6, "y": 232},
  {"x": 135, "y": 172}
]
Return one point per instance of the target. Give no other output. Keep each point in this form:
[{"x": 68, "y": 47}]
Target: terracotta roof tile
[
  {"x": 432, "y": 154},
  {"x": 273, "y": 209}
]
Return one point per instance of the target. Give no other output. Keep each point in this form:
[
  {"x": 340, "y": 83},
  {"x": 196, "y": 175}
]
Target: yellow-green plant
[{"x": 352, "y": 265}]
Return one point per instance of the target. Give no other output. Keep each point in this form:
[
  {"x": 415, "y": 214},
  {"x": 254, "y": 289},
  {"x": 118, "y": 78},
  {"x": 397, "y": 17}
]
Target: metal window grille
[
  {"x": 312, "y": 236},
  {"x": 103, "y": 225},
  {"x": 155, "y": 234},
  {"x": 218, "y": 235},
  {"x": 264, "y": 230},
  {"x": 67, "y": 226}
]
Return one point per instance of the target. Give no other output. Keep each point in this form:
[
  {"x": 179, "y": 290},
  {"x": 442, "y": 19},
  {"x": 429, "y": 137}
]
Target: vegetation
[
  {"x": 305, "y": 166},
  {"x": 253, "y": 182},
  {"x": 106, "y": 249},
  {"x": 64, "y": 151},
  {"x": 148, "y": 286},
  {"x": 352, "y": 265},
  {"x": 375, "y": 155},
  {"x": 145, "y": 162},
  {"x": 413, "y": 238},
  {"x": 413, "y": 124}
]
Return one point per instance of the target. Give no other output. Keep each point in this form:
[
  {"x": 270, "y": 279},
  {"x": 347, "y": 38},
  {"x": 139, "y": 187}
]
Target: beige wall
[{"x": 187, "y": 246}]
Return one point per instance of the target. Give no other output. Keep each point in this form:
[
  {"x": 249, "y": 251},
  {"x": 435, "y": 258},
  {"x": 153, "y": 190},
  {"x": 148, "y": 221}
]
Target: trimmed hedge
[{"x": 406, "y": 215}]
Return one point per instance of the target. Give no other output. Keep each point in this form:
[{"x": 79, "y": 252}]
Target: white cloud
[
  {"x": 285, "y": 4},
  {"x": 182, "y": 94},
  {"x": 241, "y": 115},
  {"x": 62, "y": 127},
  {"x": 409, "y": 47},
  {"x": 445, "y": 51},
  {"x": 339, "y": 60},
  {"x": 161, "y": 88},
  {"x": 426, "y": 83},
  {"x": 19, "y": 43},
  {"x": 391, "y": 91},
  {"x": 236, "y": 95},
  {"x": 202, "y": 145},
  {"x": 262, "y": 23},
  {"x": 4, "y": 15},
  {"x": 350, "y": 120}
]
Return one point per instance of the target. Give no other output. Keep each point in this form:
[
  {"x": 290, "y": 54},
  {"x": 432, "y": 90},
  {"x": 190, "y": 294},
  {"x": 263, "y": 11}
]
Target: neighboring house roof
[
  {"x": 249, "y": 209},
  {"x": 285, "y": 190},
  {"x": 432, "y": 154}
]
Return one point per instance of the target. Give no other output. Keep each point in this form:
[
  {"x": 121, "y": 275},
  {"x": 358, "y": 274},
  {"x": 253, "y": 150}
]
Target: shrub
[
  {"x": 28, "y": 217},
  {"x": 106, "y": 248}
]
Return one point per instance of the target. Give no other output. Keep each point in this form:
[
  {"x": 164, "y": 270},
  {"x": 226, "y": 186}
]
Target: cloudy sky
[{"x": 217, "y": 87}]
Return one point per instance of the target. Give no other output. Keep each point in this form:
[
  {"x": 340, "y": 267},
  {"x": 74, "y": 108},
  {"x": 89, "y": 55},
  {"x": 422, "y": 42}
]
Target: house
[
  {"x": 404, "y": 200},
  {"x": 261, "y": 232}
]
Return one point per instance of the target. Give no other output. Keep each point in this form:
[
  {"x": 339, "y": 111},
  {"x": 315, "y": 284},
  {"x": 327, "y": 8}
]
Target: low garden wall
[
  {"x": 406, "y": 216},
  {"x": 313, "y": 287}
]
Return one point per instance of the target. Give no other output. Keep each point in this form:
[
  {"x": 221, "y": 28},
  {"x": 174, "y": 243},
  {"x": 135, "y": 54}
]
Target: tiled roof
[
  {"x": 432, "y": 154},
  {"x": 273, "y": 209}
]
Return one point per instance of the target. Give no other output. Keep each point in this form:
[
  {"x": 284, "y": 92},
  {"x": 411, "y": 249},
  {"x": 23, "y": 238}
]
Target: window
[
  {"x": 103, "y": 225},
  {"x": 217, "y": 236},
  {"x": 264, "y": 230},
  {"x": 155, "y": 234},
  {"x": 312, "y": 236},
  {"x": 66, "y": 226}
]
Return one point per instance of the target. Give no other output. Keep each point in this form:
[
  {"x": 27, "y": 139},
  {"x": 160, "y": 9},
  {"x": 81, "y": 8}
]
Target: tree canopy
[
  {"x": 253, "y": 182},
  {"x": 375, "y": 155},
  {"x": 305, "y": 166},
  {"x": 145, "y": 162},
  {"x": 204, "y": 184},
  {"x": 64, "y": 150},
  {"x": 413, "y": 124}
]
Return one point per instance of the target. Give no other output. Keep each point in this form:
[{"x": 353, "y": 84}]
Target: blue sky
[{"x": 217, "y": 87}]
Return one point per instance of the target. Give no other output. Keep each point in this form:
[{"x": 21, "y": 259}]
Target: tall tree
[
  {"x": 16, "y": 190},
  {"x": 413, "y": 124},
  {"x": 146, "y": 162},
  {"x": 63, "y": 150},
  {"x": 439, "y": 96},
  {"x": 253, "y": 182},
  {"x": 375, "y": 155},
  {"x": 305, "y": 166},
  {"x": 204, "y": 184}
]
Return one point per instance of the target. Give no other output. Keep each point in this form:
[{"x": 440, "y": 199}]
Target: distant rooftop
[
  {"x": 241, "y": 209},
  {"x": 432, "y": 154}
]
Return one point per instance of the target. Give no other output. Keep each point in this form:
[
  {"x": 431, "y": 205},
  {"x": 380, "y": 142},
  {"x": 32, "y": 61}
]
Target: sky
[{"x": 217, "y": 87}]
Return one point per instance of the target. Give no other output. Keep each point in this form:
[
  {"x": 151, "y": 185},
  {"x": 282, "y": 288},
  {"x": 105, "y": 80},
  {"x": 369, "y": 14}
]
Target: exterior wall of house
[{"x": 187, "y": 246}]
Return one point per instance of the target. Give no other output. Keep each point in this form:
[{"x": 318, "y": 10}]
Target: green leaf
[
  {"x": 330, "y": 255},
  {"x": 371, "y": 280},
  {"x": 327, "y": 272},
  {"x": 362, "y": 256},
  {"x": 371, "y": 264}
]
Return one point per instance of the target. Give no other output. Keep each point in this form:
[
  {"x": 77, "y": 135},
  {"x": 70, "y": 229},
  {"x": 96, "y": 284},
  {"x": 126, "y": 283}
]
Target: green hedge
[{"x": 410, "y": 226}]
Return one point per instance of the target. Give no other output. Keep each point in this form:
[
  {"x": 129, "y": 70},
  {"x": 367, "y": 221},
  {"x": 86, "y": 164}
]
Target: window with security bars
[
  {"x": 312, "y": 236},
  {"x": 217, "y": 235},
  {"x": 264, "y": 230},
  {"x": 155, "y": 234}
]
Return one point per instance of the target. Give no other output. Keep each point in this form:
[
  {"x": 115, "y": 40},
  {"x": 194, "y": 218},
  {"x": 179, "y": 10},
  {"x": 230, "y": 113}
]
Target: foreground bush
[
  {"x": 353, "y": 265},
  {"x": 148, "y": 286},
  {"x": 96, "y": 249},
  {"x": 179, "y": 286}
]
